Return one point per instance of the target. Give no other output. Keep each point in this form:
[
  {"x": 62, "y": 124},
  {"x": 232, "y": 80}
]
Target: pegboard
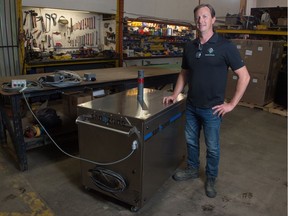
[{"x": 62, "y": 31}]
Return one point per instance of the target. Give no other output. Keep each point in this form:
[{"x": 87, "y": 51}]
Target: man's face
[{"x": 203, "y": 19}]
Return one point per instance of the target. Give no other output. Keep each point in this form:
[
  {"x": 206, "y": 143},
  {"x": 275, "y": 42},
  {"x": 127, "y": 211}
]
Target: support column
[
  {"x": 243, "y": 6},
  {"x": 119, "y": 31}
]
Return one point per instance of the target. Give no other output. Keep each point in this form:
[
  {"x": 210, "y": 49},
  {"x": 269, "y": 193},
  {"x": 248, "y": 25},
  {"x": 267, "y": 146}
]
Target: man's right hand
[{"x": 169, "y": 99}]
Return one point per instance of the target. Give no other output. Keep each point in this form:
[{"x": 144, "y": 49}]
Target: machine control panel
[{"x": 109, "y": 119}]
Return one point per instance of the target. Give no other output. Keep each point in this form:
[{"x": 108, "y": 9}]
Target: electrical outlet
[{"x": 18, "y": 83}]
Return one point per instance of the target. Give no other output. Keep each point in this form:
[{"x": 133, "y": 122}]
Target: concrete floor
[{"x": 252, "y": 179}]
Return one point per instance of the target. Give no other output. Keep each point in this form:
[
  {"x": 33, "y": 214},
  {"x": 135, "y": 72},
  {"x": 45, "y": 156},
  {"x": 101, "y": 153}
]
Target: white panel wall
[
  {"x": 222, "y": 7},
  {"x": 169, "y": 9},
  {"x": 101, "y": 6},
  {"x": 250, "y": 4},
  {"x": 181, "y": 9}
]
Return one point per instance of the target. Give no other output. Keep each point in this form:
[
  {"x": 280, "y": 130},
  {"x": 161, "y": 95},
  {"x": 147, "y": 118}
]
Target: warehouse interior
[{"x": 82, "y": 86}]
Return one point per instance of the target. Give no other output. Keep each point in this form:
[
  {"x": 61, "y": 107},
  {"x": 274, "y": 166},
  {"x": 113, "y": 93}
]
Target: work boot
[
  {"x": 210, "y": 187},
  {"x": 188, "y": 173}
]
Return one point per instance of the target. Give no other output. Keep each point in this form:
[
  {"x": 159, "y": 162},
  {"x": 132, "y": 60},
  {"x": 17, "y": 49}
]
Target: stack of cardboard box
[{"x": 263, "y": 59}]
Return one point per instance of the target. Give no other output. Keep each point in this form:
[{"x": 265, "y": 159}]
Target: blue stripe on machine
[
  {"x": 147, "y": 136},
  {"x": 175, "y": 117},
  {"x": 161, "y": 127}
]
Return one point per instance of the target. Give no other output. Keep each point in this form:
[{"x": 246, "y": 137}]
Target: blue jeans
[{"x": 196, "y": 118}]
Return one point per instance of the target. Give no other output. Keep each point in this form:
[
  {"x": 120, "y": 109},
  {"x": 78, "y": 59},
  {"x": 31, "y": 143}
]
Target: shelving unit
[
  {"x": 268, "y": 34},
  {"x": 154, "y": 38}
]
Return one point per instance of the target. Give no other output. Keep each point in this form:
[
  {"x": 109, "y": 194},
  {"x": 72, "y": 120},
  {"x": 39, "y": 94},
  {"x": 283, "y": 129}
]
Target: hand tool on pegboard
[
  {"x": 48, "y": 18},
  {"x": 96, "y": 38},
  {"x": 90, "y": 23},
  {"x": 33, "y": 15},
  {"x": 34, "y": 42},
  {"x": 38, "y": 35},
  {"x": 93, "y": 36},
  {"x": 71, "y": 26},
  {"x": 54, "y": 17},
  {"x": 49, "y": 41},
  {"x": 26, "y": 14},
  {"x": 40, "y": 18}
]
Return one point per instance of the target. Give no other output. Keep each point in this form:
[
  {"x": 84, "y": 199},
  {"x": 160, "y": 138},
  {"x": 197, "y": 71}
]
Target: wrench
[
  {"x": 40, "y": 18},
  {"x": 54, "y": 17},
  {"x": 48, "y": 17}
]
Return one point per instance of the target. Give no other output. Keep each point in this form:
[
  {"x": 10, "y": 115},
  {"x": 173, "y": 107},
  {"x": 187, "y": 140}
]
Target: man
[{"x": 205, "y": 66}]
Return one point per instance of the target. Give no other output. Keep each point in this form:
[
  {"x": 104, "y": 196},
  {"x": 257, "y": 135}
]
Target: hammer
[
  {"x": 33, "y": 15},
  {"x": 26, "y": 13}
]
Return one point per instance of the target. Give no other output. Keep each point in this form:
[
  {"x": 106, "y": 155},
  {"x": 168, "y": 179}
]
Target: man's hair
[{"x": 212, "y": 11}]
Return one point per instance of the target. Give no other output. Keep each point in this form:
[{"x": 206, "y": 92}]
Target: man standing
[{"x": 205, "y": 66}]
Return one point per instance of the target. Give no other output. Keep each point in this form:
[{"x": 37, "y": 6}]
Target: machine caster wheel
[{"x": 134, "y": 209}]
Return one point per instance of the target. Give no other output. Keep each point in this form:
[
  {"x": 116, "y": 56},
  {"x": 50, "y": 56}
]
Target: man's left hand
[{"x": 222, "y": 109}]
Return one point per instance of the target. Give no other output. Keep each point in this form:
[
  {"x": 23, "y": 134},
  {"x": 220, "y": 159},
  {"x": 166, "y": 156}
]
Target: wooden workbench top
[{"x": 102, "y": 75}]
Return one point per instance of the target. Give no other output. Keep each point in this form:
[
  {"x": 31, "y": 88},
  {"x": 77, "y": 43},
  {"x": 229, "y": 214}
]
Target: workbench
[{"x": 120, "y": 78}]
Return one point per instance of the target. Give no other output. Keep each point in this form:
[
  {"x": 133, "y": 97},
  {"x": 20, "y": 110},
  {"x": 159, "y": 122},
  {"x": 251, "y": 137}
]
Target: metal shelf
[{"x": 259, "y": 32}]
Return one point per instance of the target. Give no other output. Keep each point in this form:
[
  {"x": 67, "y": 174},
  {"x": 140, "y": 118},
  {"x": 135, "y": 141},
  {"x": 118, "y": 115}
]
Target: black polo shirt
[{"x": 207, "y": 74}]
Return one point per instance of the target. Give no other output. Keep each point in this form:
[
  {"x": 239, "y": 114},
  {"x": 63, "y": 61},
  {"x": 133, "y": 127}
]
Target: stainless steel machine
[{"x": 130, "y": 146}]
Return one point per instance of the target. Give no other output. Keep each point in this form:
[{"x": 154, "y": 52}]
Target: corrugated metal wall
[{"x": 9, "y": 44}]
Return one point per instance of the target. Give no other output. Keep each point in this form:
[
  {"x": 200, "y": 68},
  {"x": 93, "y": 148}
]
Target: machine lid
[{"x": 126, "y": 103}]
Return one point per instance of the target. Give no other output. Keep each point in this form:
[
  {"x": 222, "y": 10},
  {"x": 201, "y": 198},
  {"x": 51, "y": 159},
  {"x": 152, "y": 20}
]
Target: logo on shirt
[{"x": 210, "y": 52}]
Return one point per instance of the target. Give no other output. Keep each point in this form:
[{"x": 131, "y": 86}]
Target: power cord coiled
[{"x": 107, "y": 180}]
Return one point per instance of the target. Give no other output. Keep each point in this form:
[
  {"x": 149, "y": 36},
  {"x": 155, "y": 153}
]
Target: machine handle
[{"x": 128, "y": 133}]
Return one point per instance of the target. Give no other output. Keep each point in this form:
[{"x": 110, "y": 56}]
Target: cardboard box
[
  {"x": 232, "y": 79},
  {"x": 263, "y": 60},
  {"x": 256, "y": 90},
  {"x": 232, "y": 19},
  {"x": 260, "y": 56},
  {"x": 260, "y": 90},
  {"x": 72, "y": 99},
  {"x": 282, "y": 22}
]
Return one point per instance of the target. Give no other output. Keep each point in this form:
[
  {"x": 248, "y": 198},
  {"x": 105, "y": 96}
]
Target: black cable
[
  {"x": 108, "y": 180},
  {"x": 61, "y": 78},
  {"x": 134, "y": 144}
]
